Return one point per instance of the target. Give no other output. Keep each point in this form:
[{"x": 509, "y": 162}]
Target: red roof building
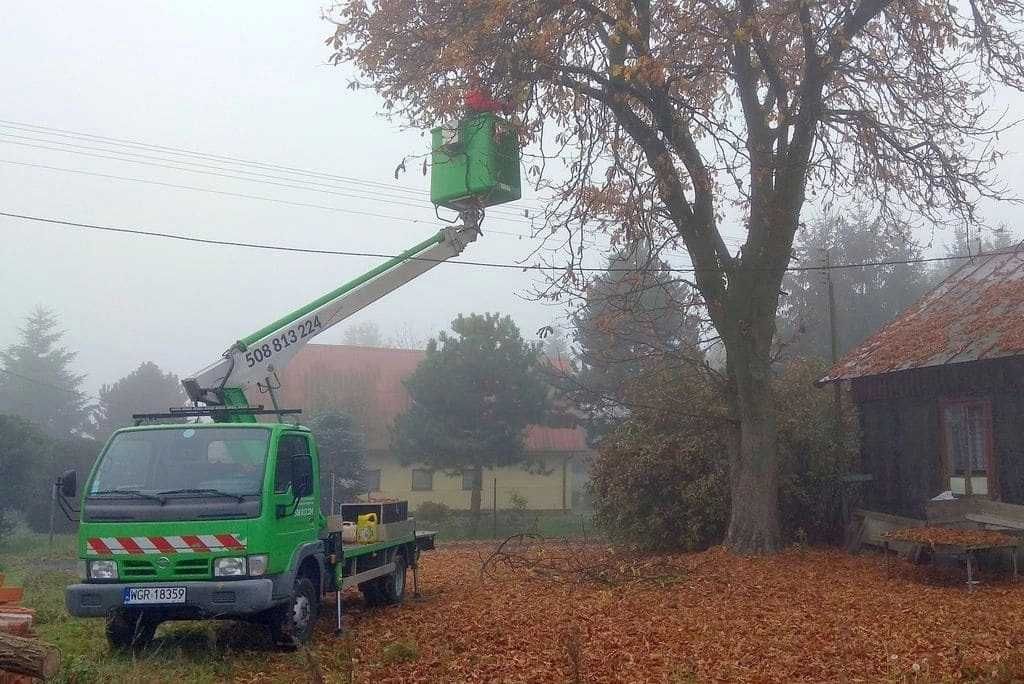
[{"x": 366, "y": 382}]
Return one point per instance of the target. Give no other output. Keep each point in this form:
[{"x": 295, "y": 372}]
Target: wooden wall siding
[
  {"x": 901, "y": 448},
  {"x": 1008, "y": 445},
  {"x": 958, "y": 379}
]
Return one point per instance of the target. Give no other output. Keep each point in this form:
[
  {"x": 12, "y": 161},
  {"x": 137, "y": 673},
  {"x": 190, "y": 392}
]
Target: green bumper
[{"x": 202, "y": 599}]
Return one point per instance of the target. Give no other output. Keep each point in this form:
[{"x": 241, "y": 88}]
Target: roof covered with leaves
[{"x": 976, "y": 313}]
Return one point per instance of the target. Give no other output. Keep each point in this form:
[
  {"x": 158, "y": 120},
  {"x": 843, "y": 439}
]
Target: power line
[
  {"x": 77, "y": 393},
  {"x": 485, "y": 264},
  {"x": 366, "y": 186},
  {"x": 277, "y": 200},
  {"x": 242, "y": 195},
  {"x": 372, "y": 186}
]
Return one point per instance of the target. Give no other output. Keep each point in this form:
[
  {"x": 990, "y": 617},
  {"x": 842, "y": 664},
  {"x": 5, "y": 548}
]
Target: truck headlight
[
  {"x": 229, "y": 567},
  {"x": 102, "y": 570},
  {"x": 258, "y": 565}
]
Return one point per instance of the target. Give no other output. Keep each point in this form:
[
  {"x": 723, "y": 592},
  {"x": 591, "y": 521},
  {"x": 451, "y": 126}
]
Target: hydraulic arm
[{"x": 256, "y": 358}]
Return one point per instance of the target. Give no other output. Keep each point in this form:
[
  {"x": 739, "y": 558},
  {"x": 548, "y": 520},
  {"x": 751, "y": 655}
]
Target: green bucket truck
[{"x": 220, "y": 516}]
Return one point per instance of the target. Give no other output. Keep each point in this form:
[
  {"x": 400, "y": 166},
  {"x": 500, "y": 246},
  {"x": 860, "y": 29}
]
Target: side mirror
[
  {"x": 302, "y": 476},
  {"x": 68, "y": 484}
]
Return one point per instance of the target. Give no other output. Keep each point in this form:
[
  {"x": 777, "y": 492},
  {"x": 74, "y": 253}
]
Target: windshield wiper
[
  {"x": 130, "y": 492},
  {"x": 216, "y": 492}
]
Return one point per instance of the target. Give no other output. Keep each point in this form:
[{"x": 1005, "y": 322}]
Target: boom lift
[
  {"x": 255, "y": 360},
  {"x": 223, "y": 519}
]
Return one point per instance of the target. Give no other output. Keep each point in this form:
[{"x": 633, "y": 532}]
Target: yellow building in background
[{"x": 366, "y": 382}]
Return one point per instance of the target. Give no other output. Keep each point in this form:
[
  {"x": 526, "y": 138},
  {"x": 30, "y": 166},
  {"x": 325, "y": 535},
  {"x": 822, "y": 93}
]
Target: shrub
[
  {"x": 660, "y": 480},
  {"x": 434, "y": 512},
  {"x": 659, "y": 491}
]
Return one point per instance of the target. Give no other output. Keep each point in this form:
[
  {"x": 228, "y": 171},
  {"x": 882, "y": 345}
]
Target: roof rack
[{"x": 198, "y": 411}]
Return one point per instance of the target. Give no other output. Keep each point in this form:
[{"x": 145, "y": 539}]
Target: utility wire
[
  {"x": 485, "y": 264},
  {"x": 77, "y": 393},
  {"x": 372, "y": 186},
  {"x": 242, "y": 195},
  {"x": 277, "y": 200},
  {"x": 220, "y": 160}
]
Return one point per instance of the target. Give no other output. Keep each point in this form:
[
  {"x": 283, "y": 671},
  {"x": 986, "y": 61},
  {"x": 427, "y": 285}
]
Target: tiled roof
[
  {"x": 367, "y": 382},
  {"x": 976, "y": 313}
]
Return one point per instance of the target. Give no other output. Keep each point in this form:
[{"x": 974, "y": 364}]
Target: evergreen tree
[
  {"x": 145, "y": 389},
  {"x": 365, "y": 334},
  {"x": 37, "y": 382},
  {"x": 636, "y": 319},
  {"x": 866, "y": 297},
  {"x": 342, "y": 453},
  {"x": 966, "y": 243},
  {"x": 473, "y": 397}
]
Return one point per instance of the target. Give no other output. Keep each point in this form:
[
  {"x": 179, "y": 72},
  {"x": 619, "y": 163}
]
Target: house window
[
  {"x": 967, "y": 434},
  {"x": 471, "y": 480},
  {"x": 372, "y": 480},
  {"x": 422, "y": 480}
]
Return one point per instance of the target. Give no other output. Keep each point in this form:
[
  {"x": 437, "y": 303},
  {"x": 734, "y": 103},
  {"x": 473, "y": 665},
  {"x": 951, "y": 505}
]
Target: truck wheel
[
  {"x": 292, "y": 624},
  {"x": 388, "y": 589},
  {"x": 130, "y": 631},
  {"x": 393, "y": 586}
]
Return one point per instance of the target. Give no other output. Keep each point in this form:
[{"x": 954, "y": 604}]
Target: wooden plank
[
  {"x": 876, "y": 525},
  {"x": 10, "y": 595},
  {"x": 999, "y": 521}
]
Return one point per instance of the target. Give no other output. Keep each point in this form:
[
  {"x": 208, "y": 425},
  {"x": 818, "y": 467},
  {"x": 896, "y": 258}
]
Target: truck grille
[
  {"x": 137, "y": 568},
  {"x": 144, "y": 568},
  {"x": 192, "y": 567}
]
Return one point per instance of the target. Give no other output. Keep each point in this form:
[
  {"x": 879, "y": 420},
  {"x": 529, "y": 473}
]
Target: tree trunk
[
  {"x": 754, "y": 516},
  {"x": 28, "y": 657},
  {"x": 753, "y": 471}
]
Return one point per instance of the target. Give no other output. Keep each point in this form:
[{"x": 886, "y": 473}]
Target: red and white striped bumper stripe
[{"x": 188, "y": 543}]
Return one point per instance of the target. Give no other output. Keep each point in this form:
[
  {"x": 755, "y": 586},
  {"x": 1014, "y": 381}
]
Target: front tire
[
  {"x": 130, "y": 630},
  {"x": 292, "y": 624}
]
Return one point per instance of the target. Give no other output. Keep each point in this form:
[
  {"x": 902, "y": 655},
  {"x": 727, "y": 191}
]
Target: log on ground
[{"x": 31, "y": 657}]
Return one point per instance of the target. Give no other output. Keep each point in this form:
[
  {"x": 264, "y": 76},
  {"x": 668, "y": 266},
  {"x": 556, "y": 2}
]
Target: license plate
[{"x": 133, "y": 595}]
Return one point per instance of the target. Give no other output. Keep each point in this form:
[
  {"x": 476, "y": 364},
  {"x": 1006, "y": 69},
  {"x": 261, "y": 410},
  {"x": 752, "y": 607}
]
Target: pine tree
[
  {"x": 636, "y": 319},
  {"x": 866, "y": 298},
  {"x": 473, "y": 397},
  {"x": 145, "y": 389},
  {"x": 37, "y": 382},
  {"x": 342, "y": 449}
]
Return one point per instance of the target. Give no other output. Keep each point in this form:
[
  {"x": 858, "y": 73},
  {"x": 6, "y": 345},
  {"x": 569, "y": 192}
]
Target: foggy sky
[{"x": 246, "y": 80}]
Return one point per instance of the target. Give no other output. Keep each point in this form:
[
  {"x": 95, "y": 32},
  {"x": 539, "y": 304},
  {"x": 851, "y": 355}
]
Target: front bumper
[{"x": 202, "y": 599}]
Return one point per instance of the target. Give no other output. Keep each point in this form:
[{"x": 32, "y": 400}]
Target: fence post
[
  {"x": 495, "y": 506},
  {"x": 53, "y": 506}
]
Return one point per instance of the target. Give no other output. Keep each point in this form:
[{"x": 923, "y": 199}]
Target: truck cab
[{"x": 202, "y": 520}]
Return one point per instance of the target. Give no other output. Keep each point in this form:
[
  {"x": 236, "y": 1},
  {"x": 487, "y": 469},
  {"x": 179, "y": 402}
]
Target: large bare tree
[{"x": 672, "y": 116}]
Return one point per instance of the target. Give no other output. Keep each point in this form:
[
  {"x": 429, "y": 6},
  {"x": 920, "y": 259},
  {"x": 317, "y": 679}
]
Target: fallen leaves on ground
[
  {"x": 950, "y": 536},
  {"x": 542, "y": 615}
]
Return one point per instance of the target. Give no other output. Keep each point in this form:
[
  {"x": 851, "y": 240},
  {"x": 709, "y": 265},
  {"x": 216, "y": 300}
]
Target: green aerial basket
[{"x": 474, "y": 163}]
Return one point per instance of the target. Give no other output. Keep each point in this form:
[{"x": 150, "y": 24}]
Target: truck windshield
[{"x": 183, "y": 462}]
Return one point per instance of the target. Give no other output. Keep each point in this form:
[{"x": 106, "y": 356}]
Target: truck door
[{"x": 296, "y": 521}]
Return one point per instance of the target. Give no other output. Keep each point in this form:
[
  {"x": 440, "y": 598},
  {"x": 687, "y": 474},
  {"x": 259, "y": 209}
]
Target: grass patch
[
  {"x": 183, "y": 651},
  {"x": 401, "y": 651}
]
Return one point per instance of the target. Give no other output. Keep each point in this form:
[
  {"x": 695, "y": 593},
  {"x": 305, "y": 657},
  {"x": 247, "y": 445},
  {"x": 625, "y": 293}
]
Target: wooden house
[{"x": 940, "y": 392}]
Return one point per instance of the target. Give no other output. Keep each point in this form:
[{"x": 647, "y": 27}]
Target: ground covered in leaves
[{"x": 538, "y": 612}]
